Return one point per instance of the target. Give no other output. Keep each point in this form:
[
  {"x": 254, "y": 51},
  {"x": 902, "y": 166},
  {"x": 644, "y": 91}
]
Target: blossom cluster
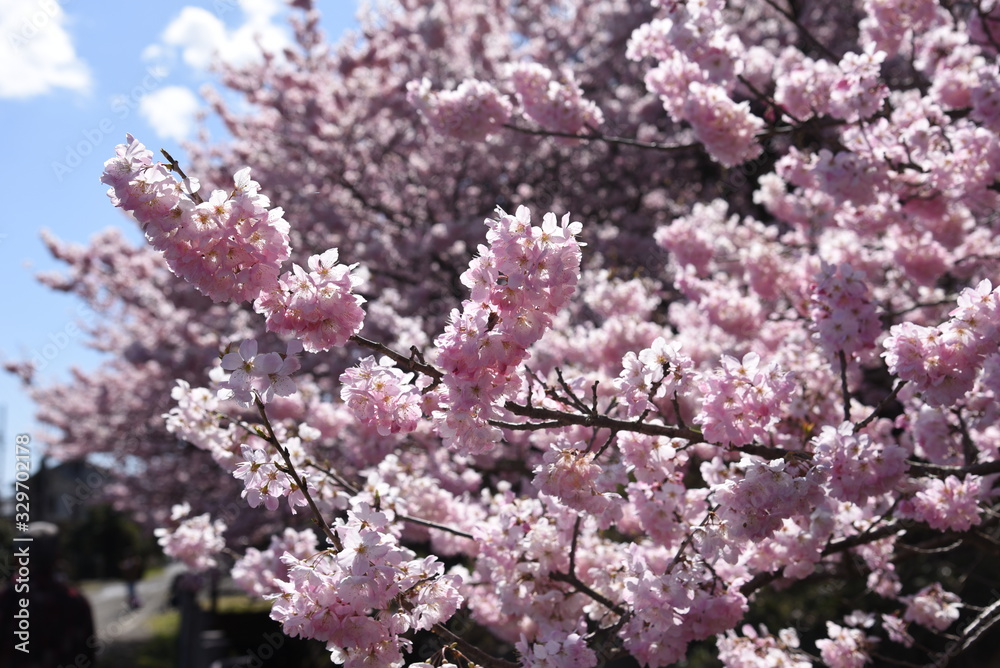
[
  {"x": 570, "y": 474},
  {"x": 257, "y": 570},
  {"x": 754, "y": 649},
  {"x": 845, "y": 647},
  {"x": 517, "y": 284},
  {"x": 266, "y": 481},
  {"x": 698, "y": 61},
  {"x": 472, "y": 112},
  {"x": 858, "y": 466},
  {"x": 951, "y": 504},
  {"x": 195, "y": 419},
  {"x": 318, "y": 306},
  {"x": 196, "y": 541},
  {"x": 754, "y": 505},
  {"x": 661, "y": 370},
  {"x": 330, "y": 596},
  {"x": 564, "y": 651},
  {"x": 846, "y": 320},
  {"x": 476, "y": 109},
  {"x": 742, "y": 399},
  {"x": 942, "y": 362},
  {"x": 678, "y": 607},
  {"x": 265, "y": 376},
  {"x": 932, "y": 607},
  {"x": 230, "y": 247},
  {"x": 381, "y": 395},
  {"x": 557, "y": 106}
]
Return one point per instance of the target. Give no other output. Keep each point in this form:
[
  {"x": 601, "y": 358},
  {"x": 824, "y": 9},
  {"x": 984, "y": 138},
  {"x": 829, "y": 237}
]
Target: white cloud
[
  {"x": 172, "y": 111},
  {"x": 36, "y": 52},
  {"x": 201, "y": 36}
]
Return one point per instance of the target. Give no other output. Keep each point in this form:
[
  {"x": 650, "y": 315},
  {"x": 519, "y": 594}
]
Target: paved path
[{"x": 116, "y": 624}]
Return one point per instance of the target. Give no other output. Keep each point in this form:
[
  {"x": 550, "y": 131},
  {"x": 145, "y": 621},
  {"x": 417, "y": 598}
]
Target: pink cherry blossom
[
  {"x": 858, "y": 466},
  {"x": 556, "y": 105},
  {"x": 381, "y": 395},
  {"x": 316, "y": 306},
  {"x": 195, "y": 540},
  {"x": 951, "y": 504},
  {"x": 932, "y": 607},
  {"x": 230, "y": 247},
  {"x": 741, "y": 400},
  {"x": 472, "y": 112}
]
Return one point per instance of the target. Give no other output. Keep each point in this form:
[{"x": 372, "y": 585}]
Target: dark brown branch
[
  {"x": 411, "y": 363},
  {"x": 943, "y": 470},
  {"x": 176, "y": 167},
  {"x": 762, "y": 579},
  {"x": 471, "y": 651},
  {"x": 584, "y": 588},
  {"x": 290, "y": 469},
  {"x": 597, "y": 136},
  {"x": 803, "y": 31},
  {"x": 527, "y": 426},
  {"x": 983, "y": 622},
  {"x": 768, "y": 452},
  {"x": 881, "y": 405},
  {"x": 435, "y": 525},
  {"x": 603, "y": 422},
  {"x": 843, "y": 385}
]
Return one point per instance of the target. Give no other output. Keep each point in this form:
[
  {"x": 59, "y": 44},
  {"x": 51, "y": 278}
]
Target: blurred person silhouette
[
  {"x": 131, "y": 569},
  {"x": 56, "y": 627}
]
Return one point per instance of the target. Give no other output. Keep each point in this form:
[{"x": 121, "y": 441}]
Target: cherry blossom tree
[{"x": 719, "y": 373}]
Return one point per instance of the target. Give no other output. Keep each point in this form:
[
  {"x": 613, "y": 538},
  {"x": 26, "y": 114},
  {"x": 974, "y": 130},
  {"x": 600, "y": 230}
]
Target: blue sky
[{"x": 73, "y": 81}]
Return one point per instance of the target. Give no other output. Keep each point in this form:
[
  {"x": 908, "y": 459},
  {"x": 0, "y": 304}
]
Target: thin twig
[
  {"x": 572, "y": 547},
  {"x": 983, "y": 622},
  {"x": 677, "y": 411},
  {"x": 435, "y": 525},
  {"x": 411, "y": 363},
  {"x": 878, "y": 409},
  {"x": 336, "y": 477},
  {"x": 596, "y": 136},
  {"x": 944, "y": 470},
  {"x": 176, "y": 167},
  {"x": 803, "y": 31},
  {"x": 584, "y": 588},
  {"x": 843, "y": 385},
  {"x": 603, "y": 422},
  {"x": 574, "y": 400},
  {"x": 351, "y": 489},
  {"x": 471, "y": 651},
  {"x": 273, "y": 440},
  {"x": 607, "y": 443},
  {"x": 526, "y": 426}
]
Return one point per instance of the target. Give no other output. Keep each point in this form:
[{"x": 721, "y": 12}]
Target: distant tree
[{"x": 756, "y": 382}]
